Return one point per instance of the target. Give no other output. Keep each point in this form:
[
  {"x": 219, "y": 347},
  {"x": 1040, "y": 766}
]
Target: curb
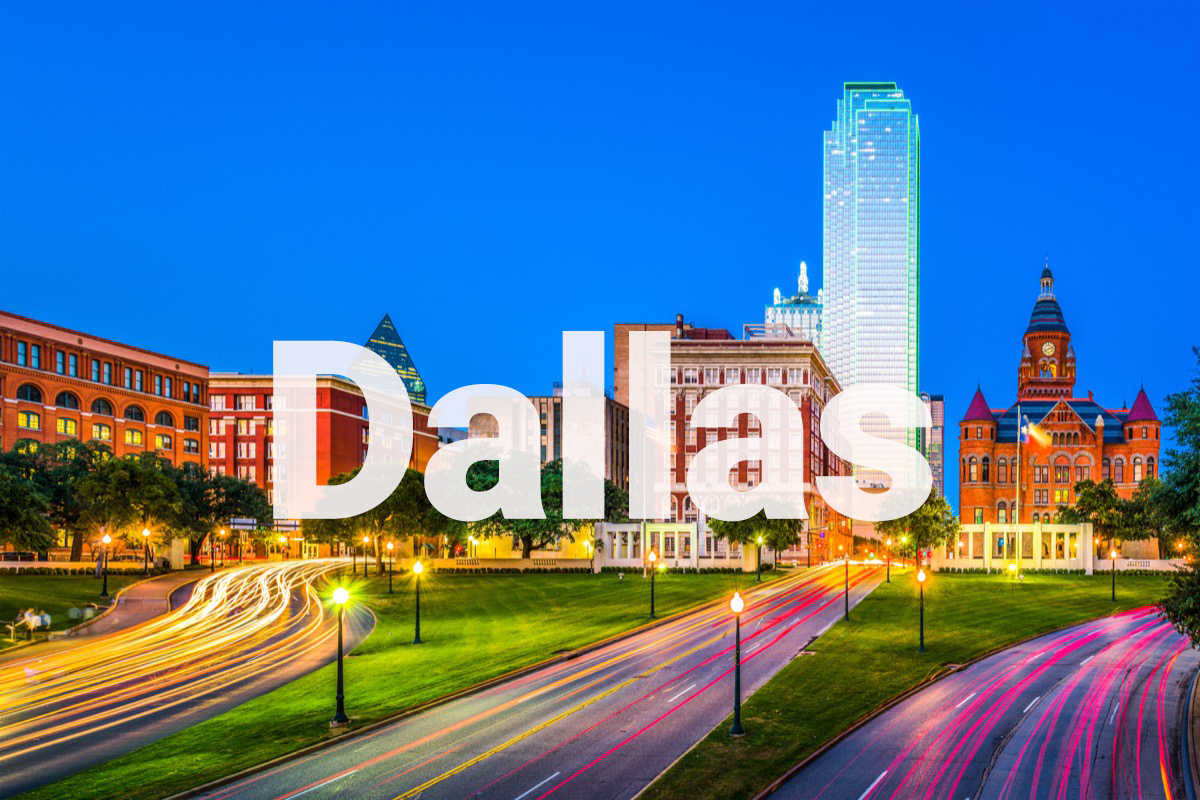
[
  {"x": 944, "y": 672},
  {"x": 1190, "y": 778},
  {"x": 384, "y": 722}
]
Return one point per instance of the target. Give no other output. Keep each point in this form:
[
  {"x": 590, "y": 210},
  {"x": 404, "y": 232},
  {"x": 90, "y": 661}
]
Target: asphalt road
[
  {"x": 240, "y": 632},
  {"x": 598, "y": 726},
  {"x": 1095, "y": 711}
]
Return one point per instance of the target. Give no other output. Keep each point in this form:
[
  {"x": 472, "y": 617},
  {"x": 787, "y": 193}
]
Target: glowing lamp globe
[
  {"x": 106, "y": 538},
  {"x": 1012, "y": 567},
  {"x": 366, "y": 539},
  {"x": 889, "y": 542},
  {"x": 146, "y": 532},
  {"x": 736, "y": 604},
  {"x": 653, "y": 556},
  {"x": 418, "y": 568},
  {"x": 921, "y": 575},
  {"x": 341, "y": 596},
  {"x": 389, "y": 545},
  {"x": 1112, "y": 554},
  {"x": 760, "y": 540}
]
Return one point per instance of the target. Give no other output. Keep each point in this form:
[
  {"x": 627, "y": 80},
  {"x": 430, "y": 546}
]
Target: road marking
[
  {"x": 1089, "y": 658},
  {"x": 681, "y": 694},
  {"x": 1114, "y": 714},
  {"x": 872, "y": 786},
  {"x": 532, "y": 789},
  {"x": 968, "y": 697},
  {"x": 1032, "y": 703},
  {"x": 326, "y": 783},
  {"x": 751, "y": 648}
]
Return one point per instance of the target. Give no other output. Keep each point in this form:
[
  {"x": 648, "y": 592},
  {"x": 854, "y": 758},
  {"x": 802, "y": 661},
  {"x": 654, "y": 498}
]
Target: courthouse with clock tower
[{"x": 1070, "y": 438}]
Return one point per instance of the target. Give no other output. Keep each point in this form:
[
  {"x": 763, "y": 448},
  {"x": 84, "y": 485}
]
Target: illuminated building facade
[
  {"x": 387, "y": 342},
  {"x": 872, "y": 184}
]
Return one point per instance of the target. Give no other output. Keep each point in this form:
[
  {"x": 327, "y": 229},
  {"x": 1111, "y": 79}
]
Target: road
[
  {"x": 598, "y": 726},
  {"x": 1095, "y": 711},
  {"x": 241, "y": 632}
]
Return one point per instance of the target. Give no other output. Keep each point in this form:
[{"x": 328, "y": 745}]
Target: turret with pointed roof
[
  {"x": 1141, "y": 411},
  {"x": 978, "y": 410}
]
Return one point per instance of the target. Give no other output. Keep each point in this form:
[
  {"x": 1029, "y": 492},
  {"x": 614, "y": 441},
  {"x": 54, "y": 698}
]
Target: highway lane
[
  {"x": 1095, "y": 711},
  {"x": 598, "y": 726},
  {"x": 241, "y": 632}
]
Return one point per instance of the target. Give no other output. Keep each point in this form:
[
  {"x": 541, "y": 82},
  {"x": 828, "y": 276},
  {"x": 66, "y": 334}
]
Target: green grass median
[
  {"x": 474, "y": 627},
  {"x": 54, "y": 594},
  {"x": 862, "y": 664}
]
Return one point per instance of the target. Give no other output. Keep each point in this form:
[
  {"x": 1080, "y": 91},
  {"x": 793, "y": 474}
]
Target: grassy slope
[
  {"x": 861, "y": 664},
  {"x": 54, "y": 593},
  {"x": 475, "y": 627}
]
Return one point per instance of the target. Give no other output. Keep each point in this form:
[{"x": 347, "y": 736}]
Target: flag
[{"x": 1024, "y": 430}]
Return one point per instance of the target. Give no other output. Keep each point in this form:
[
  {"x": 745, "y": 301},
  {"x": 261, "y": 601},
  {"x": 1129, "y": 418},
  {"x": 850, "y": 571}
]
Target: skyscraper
[
  {"x": 800, "y": 312},
  {"x": 871, "y": 244},
  {"x": 932, "y": 441},
  {"x": 387, "y": 342}
]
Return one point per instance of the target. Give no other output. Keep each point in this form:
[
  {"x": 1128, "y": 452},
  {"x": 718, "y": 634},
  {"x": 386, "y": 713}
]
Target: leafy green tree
[
  {"x": 206, "y": 503},
  {"x": 23, "y": 510},
  {"x": 1099, "y": 504},
  {"x": 777, "y": 534},
  {"x": 933, "y": 524},
  {"x": 1176, "y": 504}
]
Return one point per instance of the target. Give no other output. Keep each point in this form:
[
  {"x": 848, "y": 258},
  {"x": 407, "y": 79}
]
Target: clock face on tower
[{"x": 1048, "y": 348}]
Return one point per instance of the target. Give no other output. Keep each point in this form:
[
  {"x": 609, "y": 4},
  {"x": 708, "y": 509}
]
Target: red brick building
[
  {"x": 59, "y": 384},
  {"x": 1071, "y": 438}
]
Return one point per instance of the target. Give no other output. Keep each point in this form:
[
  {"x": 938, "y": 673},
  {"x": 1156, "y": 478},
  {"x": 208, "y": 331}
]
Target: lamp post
[
  {"x": 846, "y": 591},
  {"x": 340, "y": 598},
  {"x": 365, "y": 562},
  {"x": 474, "y": 546},
  {"x": 921, "y": 589},
  {"x": 1113, "y": 555},
  {"x": 758, "y": 559},
  {"x": 391, "y": 564},
  {"x": 283, "y": 548},
  {"x": 889, "y": 560},
  {"x": 212, "y": 552},
  {"x": 736, "y": 605},
  {"x": 1012, "y": 568},
  {"x": 241, "y": 546},
  {"x": 223, "y": 535},
  {"x": 418, "y": 568},
  {"x": 104, "y": 554},
  {"x": 652, "y": 557},
  {"x": 146, "y": 551}
]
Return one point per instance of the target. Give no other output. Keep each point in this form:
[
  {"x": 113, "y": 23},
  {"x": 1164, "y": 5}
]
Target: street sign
[{"x": 243, "y": 524}]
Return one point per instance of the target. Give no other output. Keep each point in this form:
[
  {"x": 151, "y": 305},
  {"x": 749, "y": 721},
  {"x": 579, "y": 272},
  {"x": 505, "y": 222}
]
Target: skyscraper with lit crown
[{"x": 872, "y": 210}]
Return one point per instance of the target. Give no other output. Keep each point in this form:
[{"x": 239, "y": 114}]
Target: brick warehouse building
[
  {"x": 59, "y": 384},
  {"x": 1072, "y": 438}
]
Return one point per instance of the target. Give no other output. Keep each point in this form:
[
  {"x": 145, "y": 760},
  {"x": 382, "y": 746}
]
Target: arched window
[
  {"x": 1001, "y": 471},
  {"x": 674, "y": 508},
  {"x": 67, "y": 400},
  {"x": 135, "y": 414},
  {"x": 164, "y": 418},
  {"x": 972, "y": 470},
  {"x": 1150, "y": 466},
  {"x": 1054, "y": 438},
  {"x": 1119, "y": 471},
  {"x": 1036, "y": 518},
  {"x": 1002, "y": 513},
  {"x": 1106, "y": 469},
  {"x": 1075, "y": 439},
  {"x": 1137, "y": 469},
  {"x": 29, "y": 393},
  {"x": 987, "y": 469},
  {"x": 102, "y": 407}
]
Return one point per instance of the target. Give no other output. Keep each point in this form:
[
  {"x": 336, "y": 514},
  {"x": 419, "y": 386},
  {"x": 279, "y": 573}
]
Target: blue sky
[{"x": 205, "y": 178}]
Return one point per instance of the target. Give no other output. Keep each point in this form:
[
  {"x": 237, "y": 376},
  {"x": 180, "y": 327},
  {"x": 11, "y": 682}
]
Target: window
[
  {"x": 102, "y": 407},
  {"x": 60, "y": 362},
  {"x": 1105, "y": 469},
  {"x": 1137, "y": 469},
  {"x": 22, "y": 354},
  {"x": 67, "y": 427},
  {"x": 216, "y": 402},
  {"x": 101, "y": 431},
  {"x": 775, "y": 376},
  {"x": 1144, "y": 436},
  {"x": 191, "y": 423},
  {"x": 1062, "y": 473},
  {"x": 164, "y": 418},
  {"x": 1002, "y": 471},
  {"x": 67, "y": 400},
  {"x": 191, "y": 446},
  {"x": 754, "y": 375},
  {"x": 135, "y": 413},
  {"x": 979, "y": 516},
  {"x": 1036, "y": 517},
  {"x": 128, "y": 378},
  {"x": 1041, "y": 473},
  {"x": 95, "y": 371},
  {"x": 249, "y": 449},
  {"x": 167, "y": 392},
  {"x": 1150, "y": 467},
  {"x": 162, "y": 441},
  {"x": 30, "y": 420},
  {"x": 732, "y": 375},
  {"x": 35, "y": 356},
  {"x": 987, "y": 465},
  {"x": 691, "y": 375},
  {"x": 1002, "y": 513},
  {"x": 710, "y": 375},
  {"x": 138, "y": 376},
  {"x": 1119, "y": 471},
  {"x": 108, "y": 373},
  {"x": 133, "y": 437},
  {"x": 973, "y": 470},
  {"x": 29, "y": 393},
  {"x": 1062, "y": 496},
  {"x": 158, "y": 385}
]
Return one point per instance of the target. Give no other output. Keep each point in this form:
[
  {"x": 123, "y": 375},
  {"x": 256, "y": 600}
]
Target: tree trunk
[
  {"x": 77, "y": 545},
  {"x": 526, "y": 546},
  {"x": 195, "y": 550}
]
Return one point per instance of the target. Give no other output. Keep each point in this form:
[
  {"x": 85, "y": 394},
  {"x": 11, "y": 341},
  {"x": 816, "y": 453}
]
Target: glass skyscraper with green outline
[{"x": 872, "y": 263}]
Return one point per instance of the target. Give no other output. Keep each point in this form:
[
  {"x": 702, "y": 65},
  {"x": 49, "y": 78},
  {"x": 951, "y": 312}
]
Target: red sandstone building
[
  {"x": 1072, "y": 438},
  {"x": 59, "y": 384}
]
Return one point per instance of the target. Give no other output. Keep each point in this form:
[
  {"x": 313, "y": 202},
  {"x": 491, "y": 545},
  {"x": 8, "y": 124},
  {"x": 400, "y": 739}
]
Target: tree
[
  {"x": 1099, "y": 504},
  {"x": 933, "y": 524},
  {"x": 777, "y": 534},
  {"x": 23, "y": 511},
  {"x": 207, "y": 503},
  {"x": 1176, "y": 504}
]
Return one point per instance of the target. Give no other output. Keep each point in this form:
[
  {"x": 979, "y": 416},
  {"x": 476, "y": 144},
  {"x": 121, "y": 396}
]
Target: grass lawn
[
  {"x": 54, "y": 594},
  {"x": 474, "y": 627},
  {"x": 861, "y": 664}
]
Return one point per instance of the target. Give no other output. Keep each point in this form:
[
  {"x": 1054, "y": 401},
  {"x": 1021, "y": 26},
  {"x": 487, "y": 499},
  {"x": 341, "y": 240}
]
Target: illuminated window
[
  {"x": 162, "y": 442},
  {"x": 67, "y": 427},
  {"x": 133, "y": 437},
  {"x": 191, "y": 446},
  {"x": 979, "y": 516},
  {"x": 30, "y": 420},
  {"x": 102, "y": 432},
  {"x": 1137, "y": 469}
]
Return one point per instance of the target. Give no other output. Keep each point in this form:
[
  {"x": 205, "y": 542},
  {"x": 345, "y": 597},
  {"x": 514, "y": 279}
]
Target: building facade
[
  {"x": 59, "y": 384},
  {"x": 932, "y": 441},
  {"x": 1020, "y": 463},
  {"x": 800, "y": 313},
  {"x": 872, "y": 181},
  {"x": 680, "y": 330}
]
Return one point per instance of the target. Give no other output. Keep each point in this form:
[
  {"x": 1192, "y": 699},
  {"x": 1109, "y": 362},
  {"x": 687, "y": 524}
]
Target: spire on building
[
  {"x": 386, "y": 342},
  {"x": 978, "y": 410},
  {"x": 803, "y": 278},
  {"x": 1142, "y": 411}
]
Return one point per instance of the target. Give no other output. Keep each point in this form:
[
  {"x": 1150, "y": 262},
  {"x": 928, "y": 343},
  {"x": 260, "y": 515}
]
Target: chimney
[{"x": 679, "y": 326}]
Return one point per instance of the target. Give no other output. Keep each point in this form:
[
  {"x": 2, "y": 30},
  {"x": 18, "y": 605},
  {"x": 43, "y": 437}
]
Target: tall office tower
[
  {"x": 387, "y": 342},
  {"x": 871, "y": 245},
  {"x": 932, "y": 440},
  {"x": 801, "y": 313}
]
